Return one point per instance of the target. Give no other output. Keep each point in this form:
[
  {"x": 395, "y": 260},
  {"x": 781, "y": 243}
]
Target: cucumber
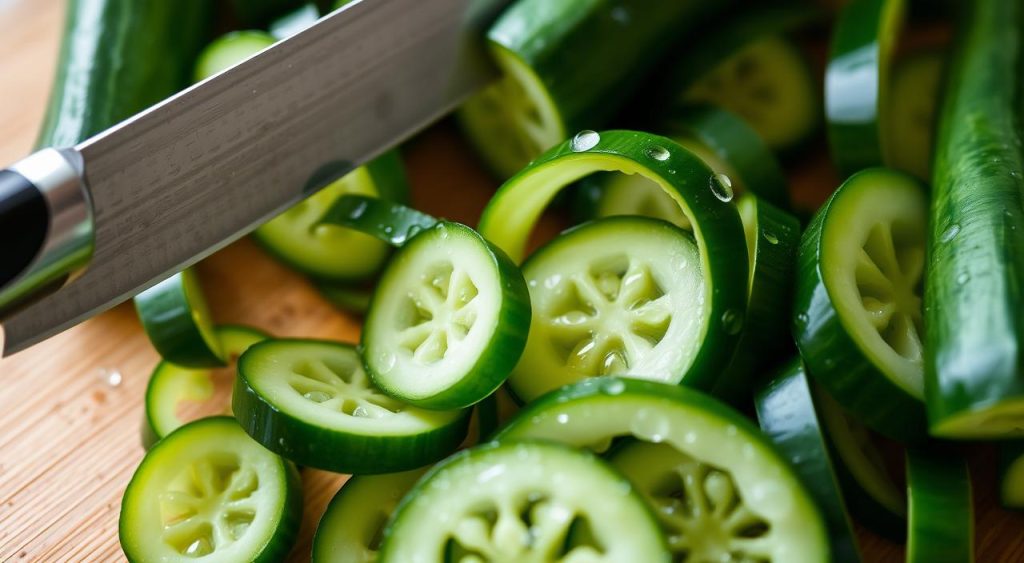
[
  {"x": 751, "y": 473},
  {"x": 448, "y": 321},
  {"x": 773, "y": 237},
  {"x": 521, "y": 501},
  {"x": 177, "y": 321},
  {"x": 974, "y": 373},
  {"x": 208, "y": 492},
  {"x": 909, "y": 127},
  {"x": 311, "y": 402},
  {"x": 117, "y": 58},
  {"x": 787, "y": 414},
  {"x": 858, "y": 308},
  {"x": 176, "y": 395},
  {"x": 704, "y": 197},
  {"x": 941, "y": 515},
  {"x": 871, "y": 493},
  {"x": 351, "y": 528},
  {"x": 387, "y": 221},
  {"x": 857, "y": 81},
  {"x": 566, "y": 65},
  {"x": 618, "y": 296},
  {"x": 1011, "y": 475},
  {"x": 230, "y": 49}
]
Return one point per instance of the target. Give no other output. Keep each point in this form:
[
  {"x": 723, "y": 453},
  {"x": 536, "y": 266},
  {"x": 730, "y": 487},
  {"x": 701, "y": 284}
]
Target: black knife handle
[{"x": 46, "y": 230}]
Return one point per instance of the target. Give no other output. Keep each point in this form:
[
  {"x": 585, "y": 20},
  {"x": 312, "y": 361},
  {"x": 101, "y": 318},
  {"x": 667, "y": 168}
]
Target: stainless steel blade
[{"x": 183, "y": 179}]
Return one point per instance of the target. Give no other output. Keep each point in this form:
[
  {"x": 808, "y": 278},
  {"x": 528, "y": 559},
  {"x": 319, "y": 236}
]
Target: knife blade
[{"x": 183, "y": 179}]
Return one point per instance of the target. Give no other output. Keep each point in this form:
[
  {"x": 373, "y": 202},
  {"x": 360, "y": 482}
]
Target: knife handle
[{"x": 46, "y": 226}]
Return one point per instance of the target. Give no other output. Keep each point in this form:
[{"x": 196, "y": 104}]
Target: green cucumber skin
[
  {"x": 719, "y": 224},
  {"x": 764, "y": 340},
  {"x": 941, "y": 514},
  {"x": 729, "y": 136},
  {"x": 592, "y": 54},
  {"x": 786, "y": 413},
  {"x": 386, "y": 220},
  {"x": 975, "y": 330},
  {"x": 301, "y": 442},
  {"x": 166, "y": 316},
  {"x": 853, "y": 113},
  {"x": 847, "y": 375},
  {"x": 117, "y": 58}
]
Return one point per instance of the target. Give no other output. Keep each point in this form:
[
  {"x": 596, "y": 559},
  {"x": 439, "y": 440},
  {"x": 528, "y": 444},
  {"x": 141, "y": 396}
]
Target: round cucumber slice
[
  {"x": 177, "y": 321},
  {"x": 522, "y": 501},
  {"x": 618, "y": 296},
  {"x": 311, "y": 402},
  {"x": 593, "y": 412},
  {"x": 857, "y": 81},
  {"x": 787, "y": 415},
  {"x": 176, "y": 395},
  {"x": 858, "y": 300},
  {"x": 870, "y": 491},
  {"x": 329, "y": 252},
  {"x": 351, "y": 528},
  {"x": 941, "y": 516},
  {"x": 768, "y": 83},
  {"x": 909, "y": 127},
  {"x": 773, "y": 237},
  {"x": 704, "y": 196},
  {"x": 1011, "y": 474},
  {"x": 448, "y": 321},
  {"x": 230, "y": 49},
  {"x": 208, "y": 492}
]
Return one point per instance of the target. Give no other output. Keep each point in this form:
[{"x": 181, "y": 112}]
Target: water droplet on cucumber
[
  {"x": 584, "y": 140},
  {"x": 732, "y": 322},
  {"x": 721, "y": 186},
  {"x": 950, "y": 233},
  {"x": 771, "y": 238},
  {"x": 657, "y": 152}
]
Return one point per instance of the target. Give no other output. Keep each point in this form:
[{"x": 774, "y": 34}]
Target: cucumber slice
[
  {"x": 521, "y": 501},
  {"x": 230, "y": 49},
  {"x": 773, "y": 237},
  {"x": 177, "y": 321},
  {"x": 351, "y": 528},
  {"x": 566, "y": 65},
  {"x": 857, "y": 81},
  {"x": 858, "y": 304},
  {"x": 871, "y": 494},
  {"x": 787, "y": 414},
  {"x": 448, "y": 321},
  {"x": 941, "y": 515},
  {"x": 328, "y": 252},
  {"x": 704, "y": 197},
  {"x": 618, "y": 296},
  {"x": 909, "y": 127},
  {"x": 1011, "y": 474},
  {"x": 208, "y": 492},
  {"x": 310, "y": 401},
  {"x": 595, "y": 411},
  {"x": 176, "y": 395},
  {"x": 974, "y": 293}
]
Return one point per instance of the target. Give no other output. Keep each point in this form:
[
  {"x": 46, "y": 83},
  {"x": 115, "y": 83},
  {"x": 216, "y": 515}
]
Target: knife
[{"x": 84, "y": 228}]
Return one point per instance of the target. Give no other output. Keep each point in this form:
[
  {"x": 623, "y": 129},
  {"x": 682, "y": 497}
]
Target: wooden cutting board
[{"x": 70, "y": 408}]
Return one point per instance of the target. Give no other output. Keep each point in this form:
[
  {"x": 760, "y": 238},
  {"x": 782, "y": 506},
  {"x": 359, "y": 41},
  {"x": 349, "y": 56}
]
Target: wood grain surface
[{"x": 70, "y": 431}]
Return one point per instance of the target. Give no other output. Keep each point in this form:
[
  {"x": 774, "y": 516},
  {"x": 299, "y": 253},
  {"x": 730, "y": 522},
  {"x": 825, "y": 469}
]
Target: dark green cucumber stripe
[
  {"x": 856, "y": 81},
  {"x": 765, "y": 339},
  {"x": 175, "y": 317},
  {"x": 119, "y": 57},
  {"x": 510, "y": 215},
  {"x": 388, "y": 174},
  {"x": 974, "y": 289},
  {"x": 786, "y": 413},
  {"x": 1011, "y": 474},
  {"x": 941, "y": 517},
  {"x": 391, "y": 222},
  {"x": 735, "y": 142}
]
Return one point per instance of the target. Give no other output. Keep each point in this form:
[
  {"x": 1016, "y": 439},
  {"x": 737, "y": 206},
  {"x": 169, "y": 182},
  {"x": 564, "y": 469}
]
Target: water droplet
[
  {"x": 770, "y": 237},
  {"x": 585, "y": 140},
  {"x": 316, "y": 396},
  {"x": 442, "y": 230},
  {"x": 732, "y": 322},
  {"x": 552, "y": 282},
  {"x": 963, "y": 278},
  {"x": 238, "y": 529},
  {"x": 562, "y": 418},
  {"x": 690, "y": 437},
  {"x": 613, "y": 386},
  {"x": 361, "y": 412},
  {"x": 721, "y": 186},
  {"x": 358, "y": 211},
  {"x": 201, "y": 546},
  {"x": 111, "y": 376},
  {"x": 413, "y": 231},
  {"x": 950, "y": 233},
  {"x": 386, "y": 362},
  {"x": 801, "y": 320},
  {"x": 388, "y": 229},
  {"x": 658, "y": 152}
]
